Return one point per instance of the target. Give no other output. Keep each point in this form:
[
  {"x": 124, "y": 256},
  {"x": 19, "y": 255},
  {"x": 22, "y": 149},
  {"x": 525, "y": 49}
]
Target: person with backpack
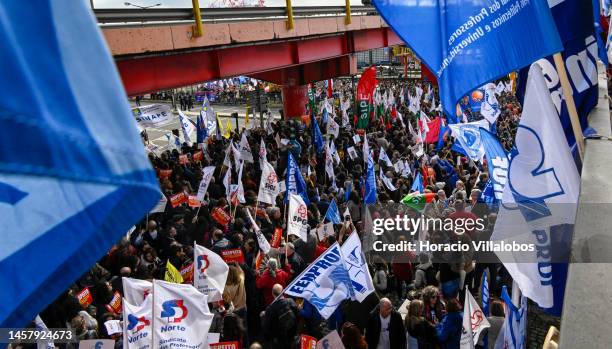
[
  {"x": 279, "y": 321},
  {"x": 425, "y": 274}
]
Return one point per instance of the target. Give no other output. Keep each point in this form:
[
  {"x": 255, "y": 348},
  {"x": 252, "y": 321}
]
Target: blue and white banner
[
  {"x": 497, "y": 162},
  {"x": 74, "y": 176},
  {"x": 513, "y": 332},
  {"x": 317, "y": 136},
  {"x": 468, "y": 137},
  {"x": 294, "y": 181},
  {"x": 187, "y": 127},
  {"x": 490, "y": 107},
  {"x": 574, "y": 19},
  {"x": 357, "y": 267},
  {"x": 181, "y": 318},
  {"x": 541, "y": 192},
  {"x": 456, "y": 39},
  {"x": 325, "y": 283},
  {"x": 370, "y": 195},
  {"x": 417, "y": 185}
]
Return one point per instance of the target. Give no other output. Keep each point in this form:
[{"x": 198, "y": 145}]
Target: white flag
[
  {"x": 298, "y": 217},
  {"x": 490, "y": 107},
  {"x": 474, "y": 321},
  {"x": 331, "y": 341},
  {"x": 543, "y": 172},
  {"x": 468, "y": 136},
  {"x": 500, "y": 88},
  {"x": 187, "y": 126},
  {"x": 209, "y": 273},
  {"x": 263, "y": 243},
  {"x": 382, "y": 156},
  {"x": 406, "y": 169},
  {"x": 268, "y": 186},
  {"x": 137, "y": 329},
  {"x": 387, "y": 181},
  {"x": 357, "y": 267},
  {"x": 263, "y": 154},
  {"x": 398, "y": 166},
  {"x": 333, "y": 128},
  {"x": 325, "y": 283},
  {"x": 46, "y": 343},
  {"x": 245, "y": 149},
  {"x": 334, "y": 152},
  {"x": 366, "y": 148},
  {"x": 180, "y": 316},
  {"x": 136, "y": 291},
  {"x": 227, "y": 182},
  {"x": 239, "y": 193},
  {"x": 237, "y": 155},
  {"x": 161, "y": 205},
  {"x": 329, "y": 162},
  {"x": 207, "y": 174}
]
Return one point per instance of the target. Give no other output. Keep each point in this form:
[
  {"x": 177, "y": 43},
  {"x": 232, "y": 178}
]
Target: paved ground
[{"x": 157, "y": 135}]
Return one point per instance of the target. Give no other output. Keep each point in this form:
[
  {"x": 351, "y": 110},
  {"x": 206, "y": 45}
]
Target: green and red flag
[
  {"x": 365, "y": 90},
  {"x": 417, "y": 200}
]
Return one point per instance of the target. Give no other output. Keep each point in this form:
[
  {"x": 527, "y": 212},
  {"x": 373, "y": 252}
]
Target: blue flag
[
  {"x": 457, "y": 39},
  {"x": 201, "y": 130},
  {"x": 444, "y": 132},
  {"x": 332, "y": 214},
  {"x": 497, "y": 162},
  {"x": 370, "y": 183},
  {"x": 574, "y": 19},
  {"x": 514, "y": 329},
  {"x": 73, "y": 172},
  {"x": 294, "y": 181},
  {"x": 484, "y": 291},
  {"x": 453, "y": 177},
  {"x": 317, "y": 136},
  {"x": 488, "y": 195},
  {"x": 417, "y": 185}
]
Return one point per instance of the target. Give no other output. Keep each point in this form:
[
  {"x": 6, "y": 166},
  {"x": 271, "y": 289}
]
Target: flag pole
[{"x": 571, "y": 106}]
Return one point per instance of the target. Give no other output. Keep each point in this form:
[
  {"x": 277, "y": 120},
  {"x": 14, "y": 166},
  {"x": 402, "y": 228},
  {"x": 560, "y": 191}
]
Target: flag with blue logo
[
  {"x": 325, "y": 283},
  {"x": 513, "y": 331},
  {"x": 187, "y": 127},
  {"x": 468, "y": 137},
  {"x": 540, "y": 196},
  {"x": 417, "y": 185},
  {"x": 485, "y": 297},
  {"x": 294, "y": 181},
  {"x": 489, "y": 108},
  {"x": 457, "y": 40},
  {"x": 201, "y": 130},
  {"x": 357, "y": 267},
  {"x": 497, "y": 162},
  {"x": 370, "y": 195},
  {"x": 332, "y": 214},
  {"x": 74, "y": 176},
  {"x": 317, "y": 136},
  {"x": 574, "y": 20},
  {"x": 137, "y": 324},
  {"x": 488, "y": 195}
]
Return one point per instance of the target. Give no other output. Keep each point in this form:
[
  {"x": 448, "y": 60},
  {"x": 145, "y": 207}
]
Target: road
[{"x": 157, "y": 135}]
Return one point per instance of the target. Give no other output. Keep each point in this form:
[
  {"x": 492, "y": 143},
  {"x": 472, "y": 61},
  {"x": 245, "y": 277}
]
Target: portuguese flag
[
  {"x": 417, "y": 200},
  {"x": 365, "y": 89}
]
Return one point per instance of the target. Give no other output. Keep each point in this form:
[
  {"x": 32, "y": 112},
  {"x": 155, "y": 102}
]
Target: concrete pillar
[{"x": 295, "y": 99}]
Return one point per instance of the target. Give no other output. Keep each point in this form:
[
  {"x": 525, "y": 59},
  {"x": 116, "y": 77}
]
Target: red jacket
[{"x": 265, "y": 281}]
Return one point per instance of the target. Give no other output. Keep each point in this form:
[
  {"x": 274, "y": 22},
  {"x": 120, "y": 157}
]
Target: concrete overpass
[{"x": 162, "y": 56}]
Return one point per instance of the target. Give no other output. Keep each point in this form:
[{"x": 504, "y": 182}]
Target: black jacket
[{"x": 397, "y": 333}]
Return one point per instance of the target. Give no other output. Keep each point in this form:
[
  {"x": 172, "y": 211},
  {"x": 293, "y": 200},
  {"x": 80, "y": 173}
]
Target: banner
[
  {"x": 225, "y": 345},
  {"x": 365, "y": 89},
  {"x": 452, "y": 39},
  {"x": 137, "y": 329},
  {"x": 207, "y": 174},
  {"x": 153, "y": 115},
  {"x": 268, "y": 186},
  {"x": 135, "y": 290},
  {"x": 298, "y": 217},
  {"x": 324, "y": 231},
  {"x": 187, "y": 273},
  {"x": 178, "y": 199},
  {"x": 325, "y": 283},
  {"x": 357, "y": 267},
  {"x": 210, "y": 273},
  {"x": 474, "y": 321},
  {"x": 84, "y": 297},
  {"x": 114, "y": 306},
  {"x": 233, "y": 255},
  {"x": 181, "y": 316},
  {"x": 307, "y": 342}
]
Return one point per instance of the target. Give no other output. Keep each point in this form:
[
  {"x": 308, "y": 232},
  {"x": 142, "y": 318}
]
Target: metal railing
[{"x": 116, "y": 17}]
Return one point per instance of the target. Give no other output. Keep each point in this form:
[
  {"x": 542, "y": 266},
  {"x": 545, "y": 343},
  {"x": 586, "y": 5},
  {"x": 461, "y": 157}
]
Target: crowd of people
[{"x": 252, "y": 311}]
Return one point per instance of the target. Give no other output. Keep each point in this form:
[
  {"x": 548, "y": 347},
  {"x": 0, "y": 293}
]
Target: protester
[{"x": 385, "y": 329}]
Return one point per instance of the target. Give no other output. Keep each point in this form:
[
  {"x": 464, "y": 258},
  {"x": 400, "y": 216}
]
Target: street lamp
[{"x": 141, "y": 7}]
